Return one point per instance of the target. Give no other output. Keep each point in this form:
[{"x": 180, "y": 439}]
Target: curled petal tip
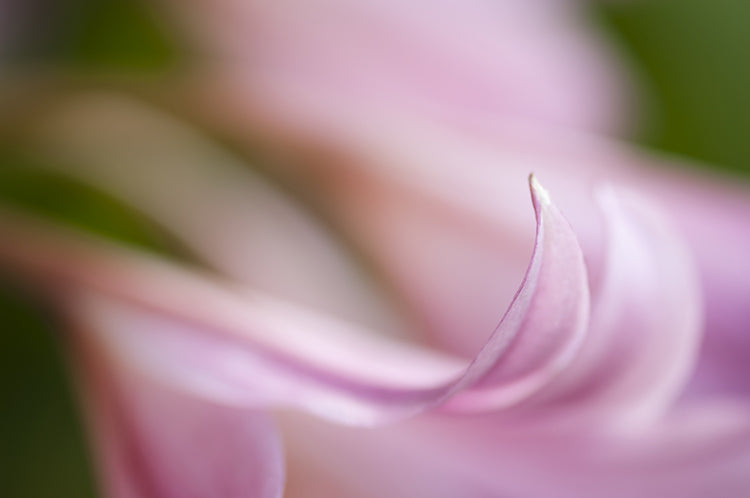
[{"x": 539, "y": 194}]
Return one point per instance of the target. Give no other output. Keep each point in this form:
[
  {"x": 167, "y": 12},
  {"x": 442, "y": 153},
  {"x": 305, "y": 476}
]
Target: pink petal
[
  {"x": 336, "y": 63},
  {"x": 702, "y": 452},
  {"x": 256, "y": 351},
  {"x": 157, "y": 443},
  {"x": 552, "y": 327},
  {"x": 646, "y": 323},
  {"x": 714, "y": 216}
]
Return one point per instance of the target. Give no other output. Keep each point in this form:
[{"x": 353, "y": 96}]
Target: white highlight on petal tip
[{"x": 540, "y": 191}]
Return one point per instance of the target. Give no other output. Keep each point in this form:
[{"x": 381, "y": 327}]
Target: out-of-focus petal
[
  {"x": 713, "y": 215},
  {"x": 159, "y": 443},
  {"x": 224, "y": 210},
  {"x": 337, "y": 63},
  {"x": 646, "y": 322},
  {"x": 255, "y": 351},
  {"x": 697, "y": 453}
]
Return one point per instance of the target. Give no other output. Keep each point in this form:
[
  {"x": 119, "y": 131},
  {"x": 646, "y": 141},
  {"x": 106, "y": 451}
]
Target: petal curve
[
  {"x": 646, "y": 322},
  {"x": 157, "y": 442},
  {"x": 199, "y": 336}
]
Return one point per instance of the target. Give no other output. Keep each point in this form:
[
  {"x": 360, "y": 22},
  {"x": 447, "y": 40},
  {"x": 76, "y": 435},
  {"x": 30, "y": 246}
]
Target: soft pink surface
[
  {"x": 619, "y": 365},
  {"x": 463, "y": 62},
  {"x": 633, "y": 385}
]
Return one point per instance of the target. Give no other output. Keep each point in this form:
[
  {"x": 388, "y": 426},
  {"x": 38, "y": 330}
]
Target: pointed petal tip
[{"x": 539, "y": 194}]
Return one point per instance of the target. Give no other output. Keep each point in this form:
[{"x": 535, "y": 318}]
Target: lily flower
[
  {"x": 594, "y": 351},
  {"x": 386, "y": 313}
]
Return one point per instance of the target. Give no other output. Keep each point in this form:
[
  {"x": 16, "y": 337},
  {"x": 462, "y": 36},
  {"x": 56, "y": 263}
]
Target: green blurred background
[{"x": 691, "y": 56}]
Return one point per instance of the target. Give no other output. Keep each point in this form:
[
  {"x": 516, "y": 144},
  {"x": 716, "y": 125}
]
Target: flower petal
[
  {"x": 702, "y": 452},
  {"x": 225, "y": 211},
  {"x": 552, "y": 326},
  {"x": 159, "y": 443},
  {"x": 339, "y": 63},
  {"x": 256, "y": 351},
  {"x": 646, "y": 324},
  {"x": 713, "y": 215}
]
